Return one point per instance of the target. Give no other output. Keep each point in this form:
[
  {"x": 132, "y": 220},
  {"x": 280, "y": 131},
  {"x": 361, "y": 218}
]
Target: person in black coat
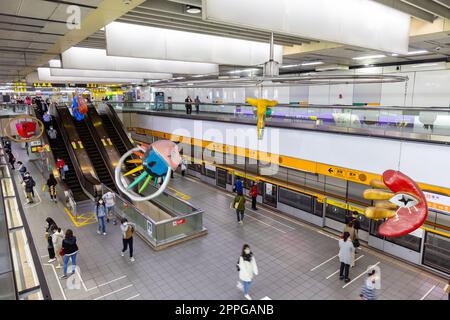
[
  {"x": 188, "y": 105},
  {"x": 70, "y": 251},
  {"x": 49, "y": 229}
]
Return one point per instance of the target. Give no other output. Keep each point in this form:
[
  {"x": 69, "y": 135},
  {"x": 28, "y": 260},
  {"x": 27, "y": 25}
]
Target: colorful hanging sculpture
[
  {"x": 82, "y": 105},
  {"x": 262, "y": 110},
  {"x": 155, "y": 162},
  {"x": 24, "y": 128},
  {"x": 76, "y": 109},
  {"x": 400, "y": 201}
]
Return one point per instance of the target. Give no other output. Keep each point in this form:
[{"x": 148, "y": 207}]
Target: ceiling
[{"x": 29, "y": 28}]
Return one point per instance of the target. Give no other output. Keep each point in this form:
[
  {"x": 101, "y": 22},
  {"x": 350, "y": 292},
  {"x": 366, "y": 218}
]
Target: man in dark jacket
[
  {"x": 188, "y": 105},
  {"x": 29, "y": 186}
]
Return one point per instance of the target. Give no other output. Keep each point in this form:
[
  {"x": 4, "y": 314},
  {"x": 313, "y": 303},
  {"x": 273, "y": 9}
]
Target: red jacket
[
  {"x": 60, "y": 164},
  {"x": 254, "y": 191}
]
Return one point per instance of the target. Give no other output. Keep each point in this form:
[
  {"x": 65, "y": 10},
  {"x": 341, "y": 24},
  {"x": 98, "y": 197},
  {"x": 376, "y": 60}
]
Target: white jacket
[
  {"x": 247, "y": 269},
  {"x": 346, "y": 251},
  {"x": 57, "y": 238}
]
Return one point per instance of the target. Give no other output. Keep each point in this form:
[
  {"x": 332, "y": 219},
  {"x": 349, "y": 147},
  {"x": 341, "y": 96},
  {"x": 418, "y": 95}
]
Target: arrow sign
[{"x": 330, "y": 170}]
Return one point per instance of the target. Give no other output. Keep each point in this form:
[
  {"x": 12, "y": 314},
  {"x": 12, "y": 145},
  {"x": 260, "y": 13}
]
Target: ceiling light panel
[
  {"x": 45, "y": 75},
  {"x": 360, "y": 23},
  {"x": 126, "y": 40},
  {"x": 97, "y": 59},
  {"x": 107, "y": 74}
]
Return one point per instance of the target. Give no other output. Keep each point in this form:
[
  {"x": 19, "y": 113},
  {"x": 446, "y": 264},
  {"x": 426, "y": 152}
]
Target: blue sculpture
[{"x": 76, "y": 110}]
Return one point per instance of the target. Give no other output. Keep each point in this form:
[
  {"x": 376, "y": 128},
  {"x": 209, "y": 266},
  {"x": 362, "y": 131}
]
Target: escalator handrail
[
  {"x": 118, "y": 125},
  {"x": 88, "y": 183}
]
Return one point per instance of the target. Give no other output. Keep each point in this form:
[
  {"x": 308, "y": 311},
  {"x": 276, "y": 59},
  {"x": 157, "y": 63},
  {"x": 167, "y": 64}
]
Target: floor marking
[
  {"x": 133, "y": 296},
  {"x": 292, "y": 228},
  {"x": 34, "y": 204},
  {"x": 87, "y": 221},
  {"x": 340, "y": 269},
  {"x": 115, "y": 291},
  {"x": 180, "y": 194},
  {"x": 323, "y": 263},
  {"x": 328, "y": 235},
  {"x": 248, "y": 216},
  {"x": 365, "y": 272},
  {"x": 104, "y": 284},
  {"x": 57, "y": 279},
  {"x": 265, "y": 298},
  {"x": 82, "y": 282},
  {"x": 428, "y": 292}
]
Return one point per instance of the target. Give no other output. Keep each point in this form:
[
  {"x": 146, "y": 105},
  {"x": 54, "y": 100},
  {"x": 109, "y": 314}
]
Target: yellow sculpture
[{"x": 261, "y": 111}]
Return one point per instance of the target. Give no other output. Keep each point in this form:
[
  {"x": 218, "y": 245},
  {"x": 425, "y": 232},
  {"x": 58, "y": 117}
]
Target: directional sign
[{"x": 342, "y": 173}]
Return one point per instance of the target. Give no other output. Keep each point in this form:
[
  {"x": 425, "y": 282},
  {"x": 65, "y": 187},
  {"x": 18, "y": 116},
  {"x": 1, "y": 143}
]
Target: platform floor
[{"x": 295, "y": 260}]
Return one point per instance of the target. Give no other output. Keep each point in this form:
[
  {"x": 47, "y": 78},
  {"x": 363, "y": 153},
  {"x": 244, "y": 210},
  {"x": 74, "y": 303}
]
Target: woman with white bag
[{"x": 247, "y": 269}]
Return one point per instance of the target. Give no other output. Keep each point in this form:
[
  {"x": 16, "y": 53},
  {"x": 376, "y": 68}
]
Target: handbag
[
  {"x": 356, "y": 243},
  {"x": 236, "y": 205},
  {"x": 61, "y": 252}
]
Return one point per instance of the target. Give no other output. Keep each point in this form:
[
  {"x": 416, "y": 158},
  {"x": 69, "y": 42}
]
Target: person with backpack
[
  {"x": 368, "y": 291},
  {"x": 254, "y": 194},
  {"x": 345, "y": 256},
  {"x": 100, "y": 214},
  {"x": 238, "y": 186},
  {"x": 51, "y": 184},
  {"x": 49, "y": 229},
  {"x": 60, "y": 164},
  {"x": 239, "y": 205},
  {"x": 127, "y": 234},
  {"x": 22, "y": 169},
  {"x": 69, "y": 250},
  {"x": 247, "y": 269},
  {"x": 52, "y": 133},
  {"x": 11, "y": 160},
  {"x": 109, "y": 200},
  {"x": 29, "y": 184},
  {"x": 57, "y": 239}
]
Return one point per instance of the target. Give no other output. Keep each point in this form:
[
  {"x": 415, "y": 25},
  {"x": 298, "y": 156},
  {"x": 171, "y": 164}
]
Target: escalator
[
  {"x": 59, "y": 150},
  {"x": 94, "y": 155}
]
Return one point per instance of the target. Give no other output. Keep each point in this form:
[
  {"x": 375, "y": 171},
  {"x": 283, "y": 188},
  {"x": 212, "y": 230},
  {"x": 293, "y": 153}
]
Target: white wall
[
  {"x": 426, "y": 163},
  {"x": 428, "y": 86}
]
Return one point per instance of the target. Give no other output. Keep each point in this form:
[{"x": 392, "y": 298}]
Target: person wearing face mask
[
  {"x": 100, "y": 212},
  {"x": 247, "y": 269}
]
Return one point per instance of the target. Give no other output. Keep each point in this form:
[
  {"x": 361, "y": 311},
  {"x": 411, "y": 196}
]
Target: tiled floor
[{"x": 204, "y": 268}]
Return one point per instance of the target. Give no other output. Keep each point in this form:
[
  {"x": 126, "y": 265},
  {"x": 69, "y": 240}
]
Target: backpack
[
  {"x": 129, "y": 232},
  {"x": 52, "y": 134}
]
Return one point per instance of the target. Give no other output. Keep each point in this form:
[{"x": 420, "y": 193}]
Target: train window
[
  {"x": 356, "y": 190},
  {"x": 230, "y": 159},
  {"x": 335, "y": 213},
  {"x": 273, "y": 171},
  {"x": 315, "y": 184},
  {"x": 222, "y": 176},
  {"x": 374, "y": 225},
  {"x": 437, "y": 252},
  {"x": 296, "y": 199},
  {"x": 296, "y": 177},
  {"x": 336, "y": 190},
  {"x": 318, "y": 208},
  {"x": 408, "y": 241}
]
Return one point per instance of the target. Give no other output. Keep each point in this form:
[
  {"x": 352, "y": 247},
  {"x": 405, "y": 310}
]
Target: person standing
[
  {"x": 52, "y": 133},
  {"x": 100, "y": 213},
  {"x": 197, "y": 104},
  {"x": 29, "y": 183},
  {"x": 11, "y": 160},
  {"x": 188, "y": 105},
  {"x": 70, "y": 250},
  {"x": 368, "y": 291},
  {"x": 350, "y": 228},
  {"x": 109, "y": 200},
  {"x": 47, "y": 118},
  {"x": 345, "y": 256},
  {"x": 239, "y": 205},
  {"x": 184, "y": 164},
  {"x": 49, "y": 229},
  {"x": 51, "y": 184},
  {"x": 169, "y": 103},
  {"x": 57, "y": 238},
  {"x": 254, "y": 195},
  {"x": 127, "y": 237},
  {"x": 238, "y": 186},
  {"x": 60, "y": 165},
  {"x": 22, "y": 169},
  {"x": 247, "y": 269}
]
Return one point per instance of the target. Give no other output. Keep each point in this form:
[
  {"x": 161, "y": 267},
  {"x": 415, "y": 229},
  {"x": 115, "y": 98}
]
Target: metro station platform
[{"x": 295, "y": 260}]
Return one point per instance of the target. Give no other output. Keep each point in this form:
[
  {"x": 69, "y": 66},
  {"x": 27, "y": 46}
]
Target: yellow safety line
[
  {"x": 180, "y": 194},
  {"x": 444, "y": 234}
]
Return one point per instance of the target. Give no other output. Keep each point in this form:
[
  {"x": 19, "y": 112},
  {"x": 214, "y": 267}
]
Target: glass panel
[
  {"x": 296, "y": 177},
  {"x": 355, "y": 192},
  {"x": 335, "y": 213},
  {"x": 374, "y": 225},
  {"x": 270, "y": 194},
  {"x": 407, "y": 241},
  {"x": 222, "y": 177},
  {"x": 295, "y": 199},
  {"x": 318, "y": 208},
  {"x": 436, "y": 252}
]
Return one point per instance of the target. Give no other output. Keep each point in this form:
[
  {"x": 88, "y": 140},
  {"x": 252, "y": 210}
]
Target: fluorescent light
[
  {"x": 244, "y": 70},
  {"x": 424, "y": 65},
  {"x": 394, "y": 54},
  {"x": 54, "y": 63},
  {"x": 193, "y": 9},
  {"x": 178, "y": 78},
  {"x": 102, "y": 28},
  {"x": 290, "y": 66},
  {"x": 416, "y": 52},
  {"x": 312, "y": 63},
  {"x": 375, "y": 56},
  {"x": 199, "y": 76}
]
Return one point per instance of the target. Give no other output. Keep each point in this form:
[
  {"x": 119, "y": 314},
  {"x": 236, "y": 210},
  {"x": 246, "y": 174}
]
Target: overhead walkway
[{"x": 411, "y": 123}]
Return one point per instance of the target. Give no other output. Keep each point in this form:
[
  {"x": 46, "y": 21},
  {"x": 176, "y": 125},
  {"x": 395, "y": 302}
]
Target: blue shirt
[{"x": 238, "y": 185}]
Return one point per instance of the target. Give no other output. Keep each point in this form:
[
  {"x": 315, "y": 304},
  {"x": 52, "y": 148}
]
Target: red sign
[{"x": 178, "y": 222}]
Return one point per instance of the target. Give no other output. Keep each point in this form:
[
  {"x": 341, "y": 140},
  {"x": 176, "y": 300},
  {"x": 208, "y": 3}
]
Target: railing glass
[{"x": 430, "y": 124}]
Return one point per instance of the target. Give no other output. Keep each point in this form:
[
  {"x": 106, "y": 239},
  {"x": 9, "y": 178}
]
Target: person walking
[
  {"x": 197, "y": 104},
  {"x": 11, "y": 160},
  {"x": 184, "y": 164},
  {"x": 47, "y": 119},
  {"x": 188, "y": 105},
  {"x": 57, "y": 239},
  {"x": 254, "y": 194},
  {"x": 51, "y": 184},
  {"x": 109, "y": 199},
  {"x": 60, "y": 164},
  {"x": 368, "y": 291},
  {"x": 49, "y": 229},
  {"x": 239, "y": 205},
  {"x": 29, "y": 184},
  {"x": 127, "y": 237},
  {"x": 247, "y": 269},
  {"x": 345, "y": 256},
  {"x": 100, "y": 214},
  {"x": 238, "y": 186},
  {"x": 70, "y": 251},
  {"x": 350, "y": 228}
]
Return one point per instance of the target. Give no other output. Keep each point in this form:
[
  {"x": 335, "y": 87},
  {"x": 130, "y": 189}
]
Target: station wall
[
  {"x": 425, "y": 162},
  {"x": 428, "y": 86}
]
